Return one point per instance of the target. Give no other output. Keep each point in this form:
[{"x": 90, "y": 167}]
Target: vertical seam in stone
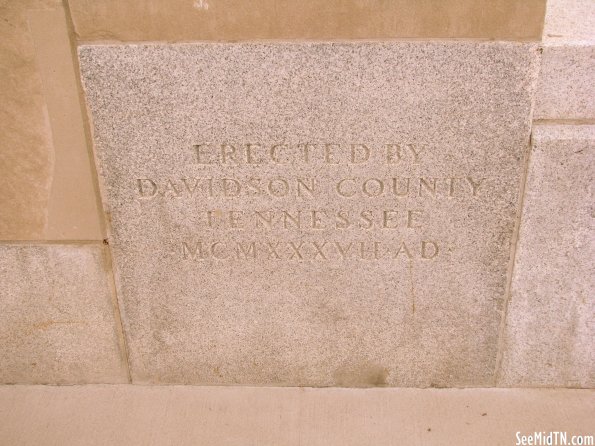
[
  {"x": 96, "y": 185},
  {"x": 514, "y": 242},
  {"x": 84, "y": 114},
  {"x": 117, "y": 312},
  {"x": 510, "y": 270}
]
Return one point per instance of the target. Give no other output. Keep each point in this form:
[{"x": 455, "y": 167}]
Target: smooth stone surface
[
  {"x": 220, "y": 416},
  {"x": 221, "y": 20},
  {"x": 376, "y": 305},
  {"x": 57, "y": 324},
  {"x": 551, "y": 314},
  {"x": 565, "y": 86},
  {"x": 73, "y": 212},
  {"x": 25, "y": 134},
  {"x": 47, "y": 186}
]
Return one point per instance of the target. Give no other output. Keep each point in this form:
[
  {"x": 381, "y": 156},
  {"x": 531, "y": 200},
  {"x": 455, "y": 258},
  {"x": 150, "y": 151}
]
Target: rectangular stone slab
[
  {"x": 58, "y": 323},
  {"x": 551, "y": 316},
  {"x": 312, "y": 214}
]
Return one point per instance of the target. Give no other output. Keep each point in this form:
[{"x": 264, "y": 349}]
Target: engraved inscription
[
  {"x": 305, "y": 153},
  {"x": 219, "y": 201},
  {"x": 313, "y": 250},
  {"x": 281, "y": 187}
]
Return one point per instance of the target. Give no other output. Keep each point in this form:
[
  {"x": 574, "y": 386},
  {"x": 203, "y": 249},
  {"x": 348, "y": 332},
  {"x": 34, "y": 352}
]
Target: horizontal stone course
[
  {"x": 233, "y": 20},
  {"x": 219, "y": 416}
]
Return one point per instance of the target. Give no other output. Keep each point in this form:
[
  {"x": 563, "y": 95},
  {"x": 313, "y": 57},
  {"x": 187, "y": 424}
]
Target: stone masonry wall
[{"x": 63, "y": 316}]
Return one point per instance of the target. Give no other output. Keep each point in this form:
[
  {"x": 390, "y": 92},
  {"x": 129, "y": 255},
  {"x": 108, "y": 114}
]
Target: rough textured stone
[
  {"x": 220, "y": 416},
  {"x": 565, "y": 86},
  {"x": 569, "y": 20},
  {"x": 57, "y": 323},
  {"x": 378, "y": 306},
  {"x": 178, "y": 20},
  {"x": 551, "y": 322}
]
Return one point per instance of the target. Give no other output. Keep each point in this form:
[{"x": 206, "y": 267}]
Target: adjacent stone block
[
  {"x": 25, "y": 134},
  {"x": 47, "y": 189},
  {"x": 569, "y": 20},
  {"x": 57, "y": 323},
  {"x": 73, "y": 209},
  {"x": 565, "y": 87},
  {"x": 551, "y": 315},
  {"x": 312, "y": 214}
]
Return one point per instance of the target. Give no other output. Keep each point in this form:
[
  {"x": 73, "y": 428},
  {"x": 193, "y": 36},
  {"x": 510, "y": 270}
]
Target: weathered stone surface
[
  {"x": 47, "y": 185},
  {"x": 565, "y": 86},
  {"x": 380, "y": 284},
  {"x": 551, "y": 315},
  {"x": 57, "y": 323},
  {"x": 179, "y": 20},
  {"x": 25, "y": 136},
  {"x": 73, "y": 212}
]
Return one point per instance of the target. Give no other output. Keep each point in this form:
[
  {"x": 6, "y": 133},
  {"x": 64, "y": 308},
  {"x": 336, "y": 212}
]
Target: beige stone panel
[
  {"x": 569, "y": 20},
  {"x": 223, "y": 416},
  {"x": 232, "y": 272},
  {"x": 551, "y": 315},
  {"x": 307, "y": 19},
  {"x": 58, "y": 319},
  {"x": 73, "y": 212},
  {"x": 46, "y": 187},
  {"x": 26, "y": 152}
]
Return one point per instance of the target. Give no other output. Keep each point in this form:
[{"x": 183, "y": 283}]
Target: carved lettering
[
  {"x": 314, "y": 250},
  {"x": 146, "y": 188},
  {"x": 238, "y": 202},
  {"x": 475, "y": 184},
  {"x": 328, "y": 153},
  {"x": 307, "y": 187}
]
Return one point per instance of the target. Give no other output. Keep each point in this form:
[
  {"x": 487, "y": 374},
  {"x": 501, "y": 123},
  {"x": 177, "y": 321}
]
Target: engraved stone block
[
  {"x": 312, "y": 214},
  {"x": 57, "y": 320},
  {"x": 551, "y": 322}
]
